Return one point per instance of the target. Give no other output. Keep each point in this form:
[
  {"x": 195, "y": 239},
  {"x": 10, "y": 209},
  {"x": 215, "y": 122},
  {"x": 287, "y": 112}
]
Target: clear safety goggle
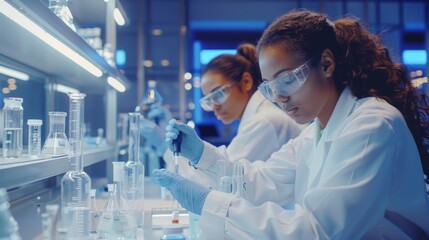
[
  {"x": 218, "y": 97},
  {"x": 287, "y": 84}
]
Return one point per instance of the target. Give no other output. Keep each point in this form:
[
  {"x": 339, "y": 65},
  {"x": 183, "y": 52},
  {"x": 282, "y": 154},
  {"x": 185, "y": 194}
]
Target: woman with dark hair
[
  {"x": 230, "y": 86},
  {"x": 356, "y": 172}
]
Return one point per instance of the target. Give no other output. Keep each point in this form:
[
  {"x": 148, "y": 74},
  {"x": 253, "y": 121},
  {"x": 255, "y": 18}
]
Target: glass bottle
[
  {"x": 57, "y": 143},
  {"x": 117, "y": 219},
  {"x": 8, "y": 225},
  {"x": 76, "y": 184},
  {"x": 151, "y": 96},
  {"x": 13, "y": 121},
  {"x": 34, "y": 137},
  {"x": 134, "y": 170}
]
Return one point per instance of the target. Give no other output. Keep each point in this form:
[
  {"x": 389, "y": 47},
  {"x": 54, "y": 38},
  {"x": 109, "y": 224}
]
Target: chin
[{"x": 227, "y": 121}]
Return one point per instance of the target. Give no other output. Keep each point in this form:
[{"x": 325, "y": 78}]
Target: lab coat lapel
[{"x": 342, "y": 110}]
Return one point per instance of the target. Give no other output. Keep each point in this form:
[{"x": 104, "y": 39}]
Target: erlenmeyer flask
[
  {"x": 57, "y": 143},
  {"x": 117, "y": 220}
]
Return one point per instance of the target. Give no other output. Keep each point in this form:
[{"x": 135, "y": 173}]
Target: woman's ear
[
  {"x": 246, "y": 82},
  {"x": 328, "y": 63}
]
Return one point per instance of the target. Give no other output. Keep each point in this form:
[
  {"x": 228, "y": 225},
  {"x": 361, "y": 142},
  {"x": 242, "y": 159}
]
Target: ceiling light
[
  {"x": 119, "y": 18},
  {"x": 14, "y": 73},
  {"x": 116, "y": 84},
  {"x": 39, "y": 32},
  {"x": 66, "y": 89}
]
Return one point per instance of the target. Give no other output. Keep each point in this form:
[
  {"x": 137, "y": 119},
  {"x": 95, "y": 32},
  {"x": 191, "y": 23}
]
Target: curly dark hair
[
  {"x": 363, "y": 64},
  {"x": 233, "y": 66}
]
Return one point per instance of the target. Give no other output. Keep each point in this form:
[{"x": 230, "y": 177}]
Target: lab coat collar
[
  {"x": 342, "y": 110},
  {"x": 252, "y": 107}
]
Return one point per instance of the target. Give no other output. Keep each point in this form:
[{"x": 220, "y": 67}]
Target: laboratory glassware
[
  {"x": 117, "y": 219},
  {"x": 134, "y": 170},
  {"x": 95, "y": 215},
  {"x": 123, "y": 128},
  {"x": 221, "y": 172},
  {"x": 173, "y": 232},
  {"x": 47, "y": 226},
  {"x": 177, "y": 143},
  {"x": 151, "y": 96},
  {"x": 76, "y": 184},
  {"x": 60, "y": 8},
  {"x": 34, "y": 137},
  {"x": 57, "y": 143},
  {"x": 8, "y": 225},
  {"x": 13, "y": 121}
]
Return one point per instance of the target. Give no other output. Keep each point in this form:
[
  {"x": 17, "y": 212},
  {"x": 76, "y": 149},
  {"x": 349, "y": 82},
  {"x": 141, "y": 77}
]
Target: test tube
[{"x": 34, "y": 138}]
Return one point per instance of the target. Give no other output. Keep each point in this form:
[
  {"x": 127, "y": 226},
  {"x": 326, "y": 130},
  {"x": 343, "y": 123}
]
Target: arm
[{"x": 346, "y": 202}]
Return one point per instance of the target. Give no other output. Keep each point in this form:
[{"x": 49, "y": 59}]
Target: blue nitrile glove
[
  {"x": 154, "y": 135},
  {"x": 189, "y": 194},
  {"x": 192, "y": 145},
  {"x": 160, "y": 113}
]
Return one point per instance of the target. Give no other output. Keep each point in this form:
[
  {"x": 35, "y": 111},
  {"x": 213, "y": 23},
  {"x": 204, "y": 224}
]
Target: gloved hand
[
  {"x": 192, "y": 145},
  {"x": 189, "y": 194},
  {"x": 159, "y": 114},
  {"x": 154, "y": 135}
]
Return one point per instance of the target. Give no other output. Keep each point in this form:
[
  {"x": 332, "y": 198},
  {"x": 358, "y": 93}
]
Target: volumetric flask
[
  {"x": 13, "y": 120},
  {"x": 57, "y": 143},
  {"x": 34, "y": 135}
]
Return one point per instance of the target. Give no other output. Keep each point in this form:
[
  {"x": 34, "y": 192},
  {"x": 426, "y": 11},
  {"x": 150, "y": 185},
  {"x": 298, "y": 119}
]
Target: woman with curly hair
[{"x": 356, "y": 172}]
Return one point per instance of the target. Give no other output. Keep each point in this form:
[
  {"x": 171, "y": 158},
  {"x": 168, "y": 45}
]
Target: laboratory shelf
[
  {"x": 22, "y": 46},
  {"x": 24, "y": 172}
]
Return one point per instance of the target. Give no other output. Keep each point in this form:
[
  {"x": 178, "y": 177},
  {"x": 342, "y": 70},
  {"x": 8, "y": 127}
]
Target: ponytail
[{"x": 368, "y": 70}]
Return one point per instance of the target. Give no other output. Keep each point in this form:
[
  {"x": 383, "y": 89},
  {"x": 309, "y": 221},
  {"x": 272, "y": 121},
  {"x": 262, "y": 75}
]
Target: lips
[{"x": 292, "y": 112}]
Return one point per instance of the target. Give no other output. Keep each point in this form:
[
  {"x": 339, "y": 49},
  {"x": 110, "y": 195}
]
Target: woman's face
[
  {"x": 317, "y": 95},
  {"x": 233, "y": 108}
]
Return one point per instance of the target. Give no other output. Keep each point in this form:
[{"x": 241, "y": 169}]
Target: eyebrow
[{"x": 279, "y": 72}]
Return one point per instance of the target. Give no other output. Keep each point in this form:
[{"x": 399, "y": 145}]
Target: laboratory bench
[{"x": 28, "y": 213}]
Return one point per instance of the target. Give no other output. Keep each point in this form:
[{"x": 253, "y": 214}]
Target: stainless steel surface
[{"x": 17, "y": 174}]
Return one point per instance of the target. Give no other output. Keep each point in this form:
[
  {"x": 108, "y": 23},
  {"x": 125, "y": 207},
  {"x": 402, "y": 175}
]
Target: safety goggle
[
  {"x": 287, "y": 84},
  {"x": 218, "y": 97}
]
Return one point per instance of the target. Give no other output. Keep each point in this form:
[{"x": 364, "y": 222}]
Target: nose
[
  {"x": 216, "y": 107},
  {"x": 281, "y": 99}
]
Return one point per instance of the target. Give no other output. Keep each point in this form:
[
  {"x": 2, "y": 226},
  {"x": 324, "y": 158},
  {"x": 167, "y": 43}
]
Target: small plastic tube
[{"x": 34, "y": 137}]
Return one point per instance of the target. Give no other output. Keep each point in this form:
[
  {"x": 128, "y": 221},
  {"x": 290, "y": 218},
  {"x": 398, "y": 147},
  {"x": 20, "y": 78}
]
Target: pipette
[{"x": 177, "y": 144}]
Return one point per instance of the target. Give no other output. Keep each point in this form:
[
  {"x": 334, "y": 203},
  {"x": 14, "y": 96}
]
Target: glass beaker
[
  {"x": 13, "y": 121},
  {"x": 57, "y": 143},
  {"x": 34, "y": 137}
]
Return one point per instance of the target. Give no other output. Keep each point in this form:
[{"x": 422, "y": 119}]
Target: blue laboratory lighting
[
  {"x": 414, "y": 57},
  {"x": 121, "y": 57},
  {"x": 208, "y": 54}
]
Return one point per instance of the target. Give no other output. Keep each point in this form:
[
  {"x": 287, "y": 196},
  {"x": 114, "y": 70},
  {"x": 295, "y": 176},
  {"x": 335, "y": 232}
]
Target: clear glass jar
[
  {"x": 13, "y": 121},
  {"x": 34, "y": 137}
]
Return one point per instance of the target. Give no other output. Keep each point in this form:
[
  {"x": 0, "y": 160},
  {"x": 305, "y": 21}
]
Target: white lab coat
[
  {"x": 362, "y": 180},
  {"x": 263, "y": 129}
]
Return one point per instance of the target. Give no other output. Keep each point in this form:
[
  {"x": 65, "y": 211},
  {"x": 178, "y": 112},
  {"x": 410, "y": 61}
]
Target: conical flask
[
  {"x": 117, "y": 219},
  {"x": 57, "y": 143},
  {"x": 151, "y": 96}
]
